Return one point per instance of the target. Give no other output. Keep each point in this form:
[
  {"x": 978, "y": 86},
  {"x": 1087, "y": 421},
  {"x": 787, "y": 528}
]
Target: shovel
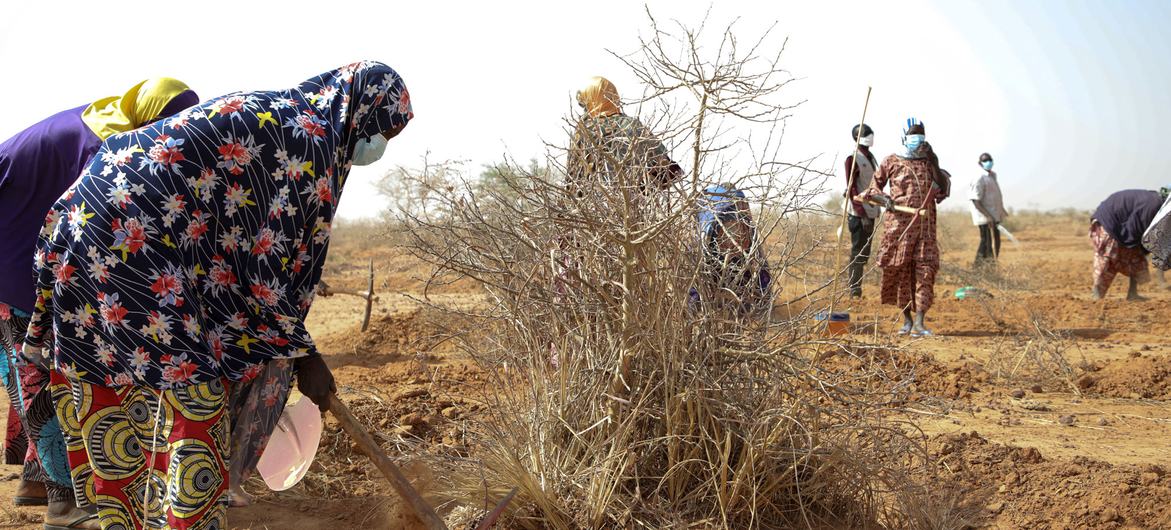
[{"x": 398, "y": 481}]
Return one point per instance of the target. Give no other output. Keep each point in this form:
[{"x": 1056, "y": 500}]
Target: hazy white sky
[{"x": 1070, "y": 97}]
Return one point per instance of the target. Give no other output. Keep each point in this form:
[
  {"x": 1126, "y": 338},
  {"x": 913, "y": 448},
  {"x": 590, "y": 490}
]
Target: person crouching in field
[
  {"x": 610, "y": 154},
  {"x": 1116, "y": 231},
  {"x": 179, "y": 267},
  {"x": 615, "y": 148},
  {"x": 859, "y": 172},
  {"x": 616, "y": 171},
  {"x": 735, "y": 274},
  {"x": 908, "y": 253},
  {"x": 987, "y": 212}
]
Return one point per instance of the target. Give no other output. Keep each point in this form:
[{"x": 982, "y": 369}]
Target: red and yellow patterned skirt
[{"x": 140, "y": 458}]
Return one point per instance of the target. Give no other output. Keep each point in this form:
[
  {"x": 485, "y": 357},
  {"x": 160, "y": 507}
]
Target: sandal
[
  {"x": 923, "y": 333},
  {"x": 905, "y": 329}
]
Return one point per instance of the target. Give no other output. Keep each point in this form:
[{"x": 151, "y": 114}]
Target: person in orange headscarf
[
  {"x": 615, "y": 147},
  {"x": 610, "y": 153}
]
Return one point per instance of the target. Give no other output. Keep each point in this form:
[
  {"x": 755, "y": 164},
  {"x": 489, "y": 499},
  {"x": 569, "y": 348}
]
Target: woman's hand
[{"x": 315, "y": 380}]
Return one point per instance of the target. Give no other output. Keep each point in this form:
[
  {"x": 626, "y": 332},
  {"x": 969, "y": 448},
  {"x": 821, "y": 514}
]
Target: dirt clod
[
  {"x": 413, "y": 418},
  {"x": 1034, "y": 405},
  {"x": 411, "y": 393}
]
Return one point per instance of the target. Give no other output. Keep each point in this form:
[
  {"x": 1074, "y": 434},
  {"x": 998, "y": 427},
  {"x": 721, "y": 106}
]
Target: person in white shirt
[
  {"x": 987, "y": 212},
  {"x": 861, "y": 215}
]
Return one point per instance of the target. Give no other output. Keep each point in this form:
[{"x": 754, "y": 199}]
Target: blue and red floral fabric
[{"x": 190, "y": 249}]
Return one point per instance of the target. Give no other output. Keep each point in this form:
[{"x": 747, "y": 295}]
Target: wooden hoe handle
[
  {"x": 897, "y": 208},
  {"x": 370, "y": 448}
]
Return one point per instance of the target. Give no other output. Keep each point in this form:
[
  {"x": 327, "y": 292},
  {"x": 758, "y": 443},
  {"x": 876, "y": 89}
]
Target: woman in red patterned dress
[{"x": 908, "y": 254}]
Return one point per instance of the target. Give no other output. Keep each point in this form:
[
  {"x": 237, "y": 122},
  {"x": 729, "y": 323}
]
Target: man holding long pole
[{"x": 861, "y": 167}]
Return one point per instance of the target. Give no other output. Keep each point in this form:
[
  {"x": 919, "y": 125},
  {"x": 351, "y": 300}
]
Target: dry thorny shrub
[
  {"x": 1029, "y": 349},
  {"x": 619, "y": 402},
  {"x": 1037, "y": 354}
]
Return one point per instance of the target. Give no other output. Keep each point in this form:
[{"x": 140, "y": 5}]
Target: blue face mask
[
  {"x": 987, "y": 165},
  {"x": 913, "y": 141},
  {"x": 369, "y": 150}
]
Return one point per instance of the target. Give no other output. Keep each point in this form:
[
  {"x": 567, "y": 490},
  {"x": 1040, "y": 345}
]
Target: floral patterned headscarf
[{"x": 189, "y": 250}]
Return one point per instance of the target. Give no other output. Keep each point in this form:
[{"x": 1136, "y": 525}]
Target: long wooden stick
[
  {"x": 369, "y": 447},
  {"x": 850, "y": 179},
  {"x": 846, "y": 205}
]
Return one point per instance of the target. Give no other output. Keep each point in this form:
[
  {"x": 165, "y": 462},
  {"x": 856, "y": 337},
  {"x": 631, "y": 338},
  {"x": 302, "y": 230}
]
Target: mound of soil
[
  {"x": 389, "y": 336},
  {"x": 952, "y": 382},
  {"x": 1142, "y": 376},
  {"x": 920, "y": 373},
  {"x": 1018, "y": 488}
]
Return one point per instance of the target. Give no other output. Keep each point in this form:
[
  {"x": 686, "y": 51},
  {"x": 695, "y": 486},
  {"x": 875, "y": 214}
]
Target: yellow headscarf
[
  {"x": 142, "y": 103},
  {"x": 599, "y": 98}
]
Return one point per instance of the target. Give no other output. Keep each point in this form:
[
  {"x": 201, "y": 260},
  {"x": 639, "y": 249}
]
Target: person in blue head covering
[
  {"x": 909, "y": 251},
  {"x": 735, "y": 272},
  {"x": 181, "y": 265}
]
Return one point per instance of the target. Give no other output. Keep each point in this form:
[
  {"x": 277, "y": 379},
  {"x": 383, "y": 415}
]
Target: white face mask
[
  {"x": 866, "y": 141},
  {"x": 368, "y": 151}
]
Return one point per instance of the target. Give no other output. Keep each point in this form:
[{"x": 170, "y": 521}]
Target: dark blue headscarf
[
  {"x": 189, "y": 250},
  {"x": 1126, "y": 214}
]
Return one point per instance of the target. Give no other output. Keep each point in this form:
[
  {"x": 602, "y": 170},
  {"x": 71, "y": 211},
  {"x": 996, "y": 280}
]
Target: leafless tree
[
  {"x": 633, "y": 388},
  {"x": 415, "y": 192}
]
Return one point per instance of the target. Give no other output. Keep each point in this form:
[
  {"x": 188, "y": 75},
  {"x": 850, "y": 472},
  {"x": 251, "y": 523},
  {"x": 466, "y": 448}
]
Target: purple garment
[
  {"x": 186, "y": 98},
  {"x": 1125, "y": 215},
  {"x": 36, "y": 167}
]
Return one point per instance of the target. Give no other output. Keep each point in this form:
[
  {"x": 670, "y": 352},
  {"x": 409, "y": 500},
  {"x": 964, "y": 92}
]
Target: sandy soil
[{"x": 1025, "y": 441}]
